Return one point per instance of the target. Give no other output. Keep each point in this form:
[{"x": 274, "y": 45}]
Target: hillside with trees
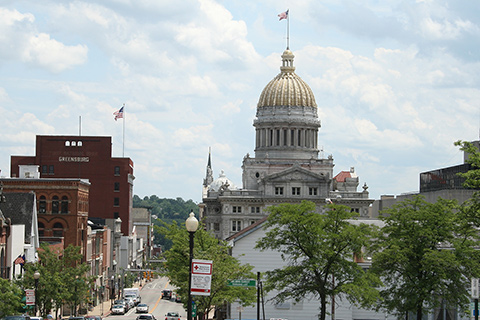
[{"x": 166, "y": 211}]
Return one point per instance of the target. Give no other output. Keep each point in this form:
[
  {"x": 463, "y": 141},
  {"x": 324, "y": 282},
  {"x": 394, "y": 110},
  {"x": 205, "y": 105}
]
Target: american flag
[
  {"x": 118, "y": 114},
  {"x": 283, "y": 15},
  {"x": 20, "y": 260}
]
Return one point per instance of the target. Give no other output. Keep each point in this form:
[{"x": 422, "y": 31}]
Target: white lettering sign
[{"x": 73, "y": 159}]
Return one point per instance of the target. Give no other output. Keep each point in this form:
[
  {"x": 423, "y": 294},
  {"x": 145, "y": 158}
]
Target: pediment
[{"x": 296, "y": 173}]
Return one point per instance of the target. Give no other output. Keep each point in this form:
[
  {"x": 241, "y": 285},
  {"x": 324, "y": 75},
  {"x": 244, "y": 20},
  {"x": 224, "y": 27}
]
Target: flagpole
[
  {"x": 288, "y": 29},
  {"x": 124, "y": 115}
]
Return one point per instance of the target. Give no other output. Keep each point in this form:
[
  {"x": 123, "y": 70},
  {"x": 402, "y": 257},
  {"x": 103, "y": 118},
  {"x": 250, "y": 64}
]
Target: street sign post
[
  {"x": 30, "y": 295},
  {"x": 201, "y": 277},
  {"x": 242, "y": 283}
]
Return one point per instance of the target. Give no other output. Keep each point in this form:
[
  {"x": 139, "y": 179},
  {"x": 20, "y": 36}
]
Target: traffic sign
[
  {"x": 201, "y": 277},
  {"x": 242, "y": 283}
]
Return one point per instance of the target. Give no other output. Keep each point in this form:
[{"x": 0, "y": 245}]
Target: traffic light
[{"x": 144, "y": 274}]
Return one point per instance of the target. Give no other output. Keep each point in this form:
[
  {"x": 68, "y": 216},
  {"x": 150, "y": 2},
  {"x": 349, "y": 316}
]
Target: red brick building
[
  {"x": 62, "y": 208},
  {"x": 86, "y": 157}
]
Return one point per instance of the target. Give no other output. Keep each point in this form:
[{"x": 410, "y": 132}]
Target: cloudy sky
[{"x": 396, "y": 82}]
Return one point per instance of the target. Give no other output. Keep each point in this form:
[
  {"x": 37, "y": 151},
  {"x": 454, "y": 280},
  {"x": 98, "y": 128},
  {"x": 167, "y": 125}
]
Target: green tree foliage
[
  {"x": 426, "y": 255},
  {"x": 472, "y": 176},
  {"x": 10, "y": 297},
  {"x": 319, "y": 250},
  {"x": 225, "y": 267},
  {"x": 166, "y": 210},
  {"x": 63, "y": 278}
]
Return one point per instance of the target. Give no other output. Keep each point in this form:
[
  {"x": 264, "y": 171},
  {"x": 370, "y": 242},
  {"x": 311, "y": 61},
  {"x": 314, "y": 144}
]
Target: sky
[{"x": 396, "y": 82}]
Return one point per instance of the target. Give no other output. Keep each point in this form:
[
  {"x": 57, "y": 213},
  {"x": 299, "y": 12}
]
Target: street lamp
[
  {"x": 191, "y": 224},
  {"x": 36, "y": 276}
]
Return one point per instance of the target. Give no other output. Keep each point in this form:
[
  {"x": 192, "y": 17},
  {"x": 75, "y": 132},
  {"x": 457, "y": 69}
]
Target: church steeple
[{"x": 209, "y": 174}]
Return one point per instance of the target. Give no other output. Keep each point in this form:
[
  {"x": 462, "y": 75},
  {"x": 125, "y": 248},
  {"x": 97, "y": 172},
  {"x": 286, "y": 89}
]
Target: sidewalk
[{"x": 103, "y": 309}]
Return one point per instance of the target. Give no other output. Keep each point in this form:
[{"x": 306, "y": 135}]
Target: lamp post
[
  {"x": 191, "y": 224},
  {"x": 36, "y": 276}
]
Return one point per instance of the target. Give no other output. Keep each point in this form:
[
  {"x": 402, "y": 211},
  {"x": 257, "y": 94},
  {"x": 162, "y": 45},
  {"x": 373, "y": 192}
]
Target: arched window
[
  {"x": 55, "y": 204},
  {"x": 64, "y": 205},
  {"x": 42, "y": 205},
  {"x": 41, "y": 229},
  {"x": 67, "y": 143},
  {"x": 58, "y": 230}
]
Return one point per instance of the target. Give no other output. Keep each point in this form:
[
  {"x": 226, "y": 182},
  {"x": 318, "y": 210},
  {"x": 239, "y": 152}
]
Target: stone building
[{"x": 286, "y": 166}]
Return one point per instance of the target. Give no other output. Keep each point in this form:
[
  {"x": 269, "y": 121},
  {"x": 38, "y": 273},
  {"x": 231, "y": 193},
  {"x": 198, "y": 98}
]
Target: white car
[
  {"x": 118, "y": 309},
  {"x": 142, "y": 308}
]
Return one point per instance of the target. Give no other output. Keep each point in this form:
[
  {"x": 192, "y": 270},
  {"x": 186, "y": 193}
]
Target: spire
[{"x": 209, "y": 175}]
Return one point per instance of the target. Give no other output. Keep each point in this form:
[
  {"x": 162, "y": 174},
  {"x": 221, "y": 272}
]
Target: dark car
[
  {"x": 167, "y": 294},
  {"x": 146, "y": 316}
]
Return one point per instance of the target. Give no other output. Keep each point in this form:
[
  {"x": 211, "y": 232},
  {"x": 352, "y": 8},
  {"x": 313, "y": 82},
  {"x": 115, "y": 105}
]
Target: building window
[
  {"x": 295, "y": 191},
  {"x": 58, "y": 230},
  {"x": 357, "y": 210},
  {"x": 64, "y": 204},
  {"x": 116, "y": 202},
  {"x": 254, "y": 209},
  {"x": 67, "y": 143},
  {"x": 116, "y": 171},
  {"x": 279, "y": 190},
  {"x": 236, "y": 225},
  {"x": 51, "y": 169},
  {"x": 252, "y": 221},
  {"x": 216, "y": 226},
  {"x": 312, "y": 191},
  {"x": 237, "y": 209},
  {"x": 41, "y": 229},
  {"x": 116, "y": 215},
  {"x": 55, "y": 204},
  {"x": 74, "y": 143},
  {"x": 42, "y": 205},
  {"x": 116, "y": 186},
  {"x": 44, "y": 169},
  {"x": 80, "y": 143}
]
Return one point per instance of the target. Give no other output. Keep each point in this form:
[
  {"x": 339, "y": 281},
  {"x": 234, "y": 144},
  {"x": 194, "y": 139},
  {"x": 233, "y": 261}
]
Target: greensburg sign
[{"x": 242, "y": 283}]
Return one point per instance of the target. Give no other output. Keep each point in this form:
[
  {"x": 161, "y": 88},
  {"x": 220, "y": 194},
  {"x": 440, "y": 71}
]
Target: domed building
[{"x": 286, "y": 166}]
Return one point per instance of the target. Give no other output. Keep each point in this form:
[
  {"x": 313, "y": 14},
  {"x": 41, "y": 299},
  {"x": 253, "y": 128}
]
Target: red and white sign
[
  {"x": 201, "y": 277},
  {"x": 30, "y": 297}
]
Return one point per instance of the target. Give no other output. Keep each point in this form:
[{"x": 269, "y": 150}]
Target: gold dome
[{"x": 287, "y": 88}]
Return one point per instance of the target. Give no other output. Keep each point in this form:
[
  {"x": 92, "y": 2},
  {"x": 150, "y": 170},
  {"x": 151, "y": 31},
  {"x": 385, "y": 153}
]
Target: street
[{"x": 152, "y": 295}]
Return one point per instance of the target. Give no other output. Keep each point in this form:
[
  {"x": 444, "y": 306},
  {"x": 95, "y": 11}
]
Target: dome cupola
[
  {"x": 287, "y": 88},
  {"x": 287, "y": 121}
]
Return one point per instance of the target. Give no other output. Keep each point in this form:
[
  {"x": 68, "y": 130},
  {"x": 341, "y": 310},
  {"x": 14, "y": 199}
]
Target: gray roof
[{"x": 19, "y": 208}]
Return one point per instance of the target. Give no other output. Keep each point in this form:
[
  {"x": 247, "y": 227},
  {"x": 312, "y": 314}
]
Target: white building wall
[{"x": 16, "y": 244}]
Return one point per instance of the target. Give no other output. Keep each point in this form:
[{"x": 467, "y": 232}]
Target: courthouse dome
[{"x": 287, "y": 88}]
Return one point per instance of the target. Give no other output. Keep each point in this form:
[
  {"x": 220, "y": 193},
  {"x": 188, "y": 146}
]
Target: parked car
[
  {"x": 18, "y": 317},
  {"x": 167, "y": 294},
  {"x": 93, "y": 318},
  {"x": 142, "y": 308},
  {"x": 146, "y": 316},
  {"x": 178, "y": 298},
  {"x": 36, "y": 318},
  {"x": 134, "y": 297},
  {"x": 172, "y": 316},
  {"x": 118, "y": 309}
]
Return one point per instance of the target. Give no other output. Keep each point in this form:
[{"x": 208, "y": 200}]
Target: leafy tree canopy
[
  {"x": 426, "y": 252},
  {"x": 319, "y": 250},
  {"x": 225, "y": 267},
  {"x": 10, "y": 297}
]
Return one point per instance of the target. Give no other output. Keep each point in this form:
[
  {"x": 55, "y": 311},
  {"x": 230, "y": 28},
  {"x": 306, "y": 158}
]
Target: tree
[
  {"x": 11, "y": 298},
  {"x": 63, "y": 278},
  {"x": 319, "y": 250},
  {"x": 426, "y": 255},
  {"x": 225, "y": 267},
  {"x": 472, "y": 176}
]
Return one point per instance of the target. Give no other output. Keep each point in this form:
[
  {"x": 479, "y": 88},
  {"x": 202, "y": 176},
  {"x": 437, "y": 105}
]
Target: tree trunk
[
  {"x": 420, "y": 312},
  {"x": 323, "y": 307}
]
